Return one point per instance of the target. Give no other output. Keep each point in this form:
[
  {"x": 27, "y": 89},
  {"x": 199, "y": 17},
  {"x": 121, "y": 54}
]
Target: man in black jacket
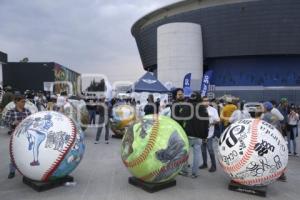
[{"x": 195, "y": 124}]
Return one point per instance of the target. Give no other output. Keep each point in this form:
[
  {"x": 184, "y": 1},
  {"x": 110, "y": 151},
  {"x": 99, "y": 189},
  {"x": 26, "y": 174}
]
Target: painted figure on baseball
[
  {"x": 253, "y": 152},
  {"x": 155, "y": 149},
  {"x": 47, "y": 145}
]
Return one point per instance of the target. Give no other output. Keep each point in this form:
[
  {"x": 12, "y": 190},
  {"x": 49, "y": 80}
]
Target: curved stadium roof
[{"x": 229, "y": 27}]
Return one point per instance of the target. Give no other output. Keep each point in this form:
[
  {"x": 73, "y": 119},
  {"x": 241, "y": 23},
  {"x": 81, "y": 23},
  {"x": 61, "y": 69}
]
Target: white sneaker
[{"x": 96, "y": 142}]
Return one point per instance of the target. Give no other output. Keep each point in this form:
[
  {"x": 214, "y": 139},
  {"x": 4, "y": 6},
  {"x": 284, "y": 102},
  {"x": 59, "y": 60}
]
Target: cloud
[{"x": 87, "y": 36}]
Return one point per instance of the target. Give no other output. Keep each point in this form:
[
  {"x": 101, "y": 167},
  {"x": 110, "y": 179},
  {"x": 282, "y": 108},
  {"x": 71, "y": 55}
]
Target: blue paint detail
[{"x": 76, "y": 152}]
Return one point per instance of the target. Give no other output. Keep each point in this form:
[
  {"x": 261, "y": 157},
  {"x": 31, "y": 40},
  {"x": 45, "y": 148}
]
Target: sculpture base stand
[
  {"x": 151, "y": 187},
  {"x": 254, "y": 190},
  {"x": 117, "y": 136},
  {"x": 43, "y": 186}
]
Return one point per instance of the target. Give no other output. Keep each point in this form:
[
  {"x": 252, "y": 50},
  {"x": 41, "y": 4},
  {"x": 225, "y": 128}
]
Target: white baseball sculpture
[
  {"x": 46, "y": 145},
  {"x": 253, "y": 152}
]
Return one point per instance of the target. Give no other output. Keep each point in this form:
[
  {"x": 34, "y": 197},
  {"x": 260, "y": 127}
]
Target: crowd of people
[
  {"x": 211, "y": 117},
  {"x": 216, "y": 116}
]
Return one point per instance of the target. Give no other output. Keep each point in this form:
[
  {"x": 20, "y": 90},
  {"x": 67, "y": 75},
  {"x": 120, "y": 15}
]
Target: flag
[
  {"x": 187, "y": 80},
  {"x": 205, "y": 82},
  {"x": 187, "y": 85}
]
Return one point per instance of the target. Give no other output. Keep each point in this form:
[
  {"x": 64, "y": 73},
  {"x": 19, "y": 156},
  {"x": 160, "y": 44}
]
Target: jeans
[
  {"x": 195, "y": 144},
  {"x": 92, "y": 116},
  {"x": 291, "y": 136},
  {"x": 99, "y": 131},
  {"x": 207, "y": 144}
]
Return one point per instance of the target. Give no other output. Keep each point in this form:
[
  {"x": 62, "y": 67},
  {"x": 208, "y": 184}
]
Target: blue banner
[
  {"x": 187, "y": 80},
  {"x": 187, "y": 85},
  {"x": 205, "y": 82}
]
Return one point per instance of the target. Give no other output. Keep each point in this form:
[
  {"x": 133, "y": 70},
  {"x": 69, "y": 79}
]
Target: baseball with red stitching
[
  {"x": 253, "y": 152},
  {"x": 155, "y": 149},
  {"x": 46, "y": 146}
]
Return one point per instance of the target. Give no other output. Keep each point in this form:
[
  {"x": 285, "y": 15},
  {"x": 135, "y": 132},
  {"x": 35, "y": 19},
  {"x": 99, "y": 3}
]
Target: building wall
[
  {"x": 23, "y": 76},
  {"x": 63, "y": 74},
  {"x": 3, "y": 57},
  {"x": 179, "y": 51},
  {"x": 256, "y": 71},
  {"x": 265, "y": 27}
]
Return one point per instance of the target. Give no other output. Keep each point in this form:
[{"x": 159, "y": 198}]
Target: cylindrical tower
[{"x": 179, "y": 51}]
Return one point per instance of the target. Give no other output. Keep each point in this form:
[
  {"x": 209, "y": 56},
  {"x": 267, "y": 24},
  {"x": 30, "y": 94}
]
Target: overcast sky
[{"x": 89, "y": 36}]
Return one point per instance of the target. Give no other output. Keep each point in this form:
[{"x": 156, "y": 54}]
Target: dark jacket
[
  {"x": 198, "y": 125},
  {"x": 150, "y": 108},
  {"x": 179, "y": 110}
]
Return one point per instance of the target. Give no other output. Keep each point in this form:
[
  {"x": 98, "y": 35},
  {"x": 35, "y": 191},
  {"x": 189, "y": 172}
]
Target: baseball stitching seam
[
  {"x": 165, "y": 168},
  {"x": 60, "y": 158},
  {"x": 249, "y": 151},
  {"x": 260, "y": 180},
  {"x": 147, "y": 150},
  {"x": 12, "y": 158}
]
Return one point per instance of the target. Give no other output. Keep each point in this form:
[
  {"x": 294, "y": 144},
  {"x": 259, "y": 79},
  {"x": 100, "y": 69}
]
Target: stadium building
[{"x": 252, "y": 46}]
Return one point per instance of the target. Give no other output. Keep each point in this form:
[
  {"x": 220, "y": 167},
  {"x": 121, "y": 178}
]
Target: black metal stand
[
  {"x": 151, "y": 187},
  {"x": 43, "y": 186},
  {"x": 254, "y": 190},
  {"x": 117, "y": 136}
]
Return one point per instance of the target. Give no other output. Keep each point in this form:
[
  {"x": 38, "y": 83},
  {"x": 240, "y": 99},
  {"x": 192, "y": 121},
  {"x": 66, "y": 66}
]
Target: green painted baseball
[{"x": 155, "y": 148}]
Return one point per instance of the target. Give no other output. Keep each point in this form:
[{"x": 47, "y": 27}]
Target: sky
[{"x": 88, "y": 36}]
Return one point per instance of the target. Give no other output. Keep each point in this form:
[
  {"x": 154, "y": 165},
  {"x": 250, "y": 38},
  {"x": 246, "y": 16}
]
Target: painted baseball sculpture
[
  {"x": 155, "y": 149},
  {"x": 122, "y": 117},
  {"x": 253, "y": 152},
  {"x": 46, "y": 146}
]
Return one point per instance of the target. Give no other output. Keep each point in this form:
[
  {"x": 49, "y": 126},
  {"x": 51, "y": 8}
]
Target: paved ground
[{"x": 102, "y": 176}]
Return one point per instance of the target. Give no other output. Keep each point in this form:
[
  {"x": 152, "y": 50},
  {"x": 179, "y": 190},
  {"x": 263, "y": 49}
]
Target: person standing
[
  {"x": 207, "y": 143},
  {"x": 150, "y": 107},
  {"x": 157, "y": 105},
  {"x": 293, "y": 119},
  {"x": 227, "y": 111},
  {"x": 13, "y": 119},
  {"x": 104, "y": 116},
  {"x": 178, "y": 107},
  {"x": 195, "y": 124},
  {"x": 61, "y": 101},
  {"x": 272, "y": 119},
  {"x": 92, "y": 107},
  {"x": 284, "y": 110}
]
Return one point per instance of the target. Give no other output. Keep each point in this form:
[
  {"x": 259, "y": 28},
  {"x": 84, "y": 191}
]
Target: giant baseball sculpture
[
  {"x": 46, "y": 146},
  {"x": 253, "y": 152},
  {"x": 155, "y": 149},
  {"x": 123, "y": 116}
]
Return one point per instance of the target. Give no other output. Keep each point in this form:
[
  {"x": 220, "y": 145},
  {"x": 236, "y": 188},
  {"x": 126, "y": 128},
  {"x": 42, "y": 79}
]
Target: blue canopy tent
[{"x": 148, "y": 83}]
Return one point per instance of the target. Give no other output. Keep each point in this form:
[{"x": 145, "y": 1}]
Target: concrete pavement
[{"x": 102, "y": 176}]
